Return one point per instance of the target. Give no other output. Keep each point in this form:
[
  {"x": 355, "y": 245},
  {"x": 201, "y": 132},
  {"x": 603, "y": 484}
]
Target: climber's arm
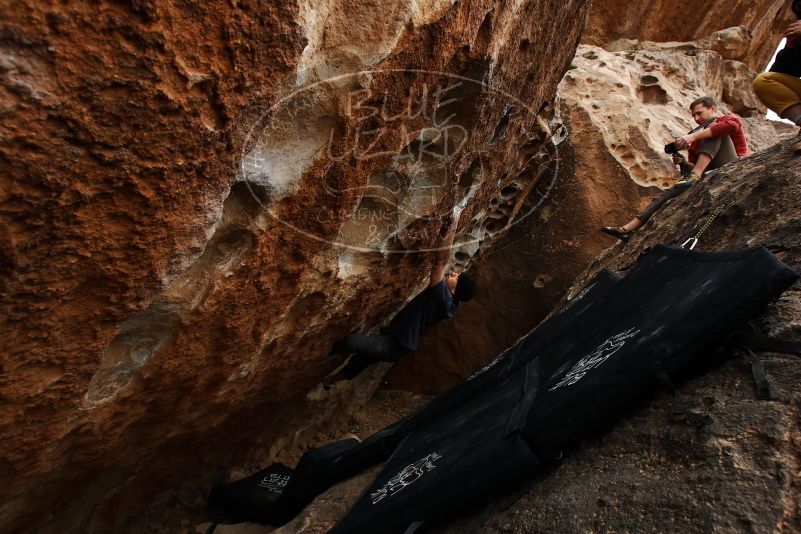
[{"x": 443, "y": 253}]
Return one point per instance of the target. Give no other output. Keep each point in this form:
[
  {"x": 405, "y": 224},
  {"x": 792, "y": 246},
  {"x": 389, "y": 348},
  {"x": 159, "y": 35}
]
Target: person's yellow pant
[{"x": 778, "y": 91}]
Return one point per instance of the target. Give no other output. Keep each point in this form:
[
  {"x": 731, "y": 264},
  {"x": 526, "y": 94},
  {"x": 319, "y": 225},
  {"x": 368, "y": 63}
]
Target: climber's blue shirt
[{"x": 429, "y": 307}]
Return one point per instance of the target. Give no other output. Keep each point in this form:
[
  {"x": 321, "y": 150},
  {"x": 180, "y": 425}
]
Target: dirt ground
[{"x": 185, "y": 511}]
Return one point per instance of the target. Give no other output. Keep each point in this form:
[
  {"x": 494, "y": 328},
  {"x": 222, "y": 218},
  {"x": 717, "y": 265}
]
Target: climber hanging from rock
[
  {"x": 716, "y": 141},
  {"x": 438, "y": 301}
]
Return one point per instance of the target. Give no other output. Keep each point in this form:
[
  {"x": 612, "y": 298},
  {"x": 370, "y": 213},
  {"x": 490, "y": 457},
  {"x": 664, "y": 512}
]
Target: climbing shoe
[{"x": 616, "y": 231}]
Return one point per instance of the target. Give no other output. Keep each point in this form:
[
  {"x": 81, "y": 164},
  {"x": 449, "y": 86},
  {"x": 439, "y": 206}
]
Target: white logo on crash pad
[
  {"x": 596, "y": 357},
  {"x": 406, "y": 477},
  {"x": 274, "y": 483}
]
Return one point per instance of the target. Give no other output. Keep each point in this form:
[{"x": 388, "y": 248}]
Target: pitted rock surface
[{"x": 637, "y": 96}]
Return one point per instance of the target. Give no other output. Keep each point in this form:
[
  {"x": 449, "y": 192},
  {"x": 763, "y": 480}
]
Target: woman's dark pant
[
  {"x": 720, "y": 149},
  {"x": 661, "y": 198},
  {"x": 366, "y": 351}
]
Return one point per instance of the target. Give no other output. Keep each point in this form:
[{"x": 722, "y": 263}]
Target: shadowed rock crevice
[{"x": 651, "y": 92}]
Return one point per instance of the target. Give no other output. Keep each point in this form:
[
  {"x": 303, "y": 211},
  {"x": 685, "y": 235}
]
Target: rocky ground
[{"x": 186, "y": 512}]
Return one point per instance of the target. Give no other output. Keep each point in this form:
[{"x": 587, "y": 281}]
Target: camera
[{"x": 670, "y": 148}]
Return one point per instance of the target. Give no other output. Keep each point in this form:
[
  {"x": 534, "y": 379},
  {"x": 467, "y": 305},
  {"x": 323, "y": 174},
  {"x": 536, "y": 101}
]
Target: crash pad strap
[
  {"x": 531, "y": 386},
  {"x": 751, "y": 339},
  {"x": 764, "y": 391}
]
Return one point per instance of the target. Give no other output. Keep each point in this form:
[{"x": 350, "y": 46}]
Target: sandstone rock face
[
  {"x": 620, "y": 107},
  {"x": 197, "y": 198},
  {"x": 687, "y": 20},
  {"x": 647, "y": 474}
]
